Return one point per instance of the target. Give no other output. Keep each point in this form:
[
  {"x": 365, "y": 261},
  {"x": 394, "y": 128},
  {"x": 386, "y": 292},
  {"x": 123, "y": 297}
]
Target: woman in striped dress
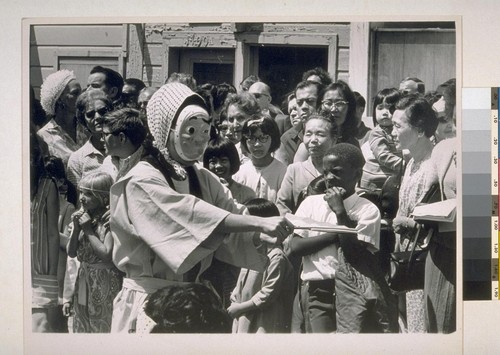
[{"x": 44, "y": 243}]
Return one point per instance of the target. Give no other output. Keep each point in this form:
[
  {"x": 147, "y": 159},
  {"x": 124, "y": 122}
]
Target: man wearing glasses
[
  {"x": 262, "y": 93},
  {"x": 123, "y": 132},
  {"x": 306, "y": 93}
]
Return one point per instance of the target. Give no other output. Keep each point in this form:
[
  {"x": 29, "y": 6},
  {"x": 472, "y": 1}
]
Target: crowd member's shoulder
[
  {"x": 445, "y": 146},
  {"x": 443, "y": 153}
]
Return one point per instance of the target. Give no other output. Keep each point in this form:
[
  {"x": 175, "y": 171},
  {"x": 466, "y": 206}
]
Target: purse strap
[{"x": 412, "y": 259}]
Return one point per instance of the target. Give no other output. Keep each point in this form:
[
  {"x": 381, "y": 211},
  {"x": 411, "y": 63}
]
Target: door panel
[{"x": 427, "y": 55}]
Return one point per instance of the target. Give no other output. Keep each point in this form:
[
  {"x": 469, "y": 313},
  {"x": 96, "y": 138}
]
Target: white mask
[{"x": 192, "y": 133}]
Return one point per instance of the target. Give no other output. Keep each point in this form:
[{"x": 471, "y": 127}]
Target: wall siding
[
  {"x": 69, "y": 35},
  {"x": 146, "y": 52},
  {"x": 48, "y": 40}
]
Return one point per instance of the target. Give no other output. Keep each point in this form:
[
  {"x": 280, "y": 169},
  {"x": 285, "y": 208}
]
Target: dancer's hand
[
  {"x": 274, "y": 230},
  {"x": 235, "y": 310}
]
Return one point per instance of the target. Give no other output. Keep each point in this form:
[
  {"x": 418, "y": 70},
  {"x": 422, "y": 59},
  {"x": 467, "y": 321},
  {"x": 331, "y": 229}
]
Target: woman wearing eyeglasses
[
  {"x": 338, "y": 101},
  {"x": 263, "y": 173},
  {"x": 61, "y": 134},
  {"x": 91, "y": 106}
]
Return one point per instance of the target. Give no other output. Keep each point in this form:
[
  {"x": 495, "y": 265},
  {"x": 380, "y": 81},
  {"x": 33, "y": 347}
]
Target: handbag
[
  {"x": 388, "y": 197},
  {"x": 407, "y": 268}
]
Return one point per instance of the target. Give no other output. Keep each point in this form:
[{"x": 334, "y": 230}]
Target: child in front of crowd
[
  {"x": 263, "y": 173},
  {"x": 382, "y": 157},
  {"x": 262, "y": 302},
  {"x": 98, "y": 280},
  {"x": 221, "y": 158},
  {"x": 343, "y": 288}
]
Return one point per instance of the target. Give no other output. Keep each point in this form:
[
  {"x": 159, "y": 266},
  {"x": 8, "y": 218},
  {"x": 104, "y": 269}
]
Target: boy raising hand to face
[{"x": 342, "y": 288}]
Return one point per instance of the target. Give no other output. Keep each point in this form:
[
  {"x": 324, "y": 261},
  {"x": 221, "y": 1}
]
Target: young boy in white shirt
[{"x": 343, "y": 288}]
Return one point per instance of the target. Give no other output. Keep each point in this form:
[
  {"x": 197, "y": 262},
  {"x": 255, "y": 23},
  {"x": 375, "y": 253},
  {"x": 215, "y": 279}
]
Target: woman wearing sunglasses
[{"x": 91, "y": 106}]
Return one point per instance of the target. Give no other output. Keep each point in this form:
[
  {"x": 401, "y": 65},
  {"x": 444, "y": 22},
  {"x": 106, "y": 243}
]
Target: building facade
[{"x": 369, "y": 56}]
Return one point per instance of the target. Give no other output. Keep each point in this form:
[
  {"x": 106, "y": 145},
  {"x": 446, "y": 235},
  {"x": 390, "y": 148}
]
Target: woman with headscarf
[
  {"x": 163, "y": 233},
  {"x": 58, "y": 96}
]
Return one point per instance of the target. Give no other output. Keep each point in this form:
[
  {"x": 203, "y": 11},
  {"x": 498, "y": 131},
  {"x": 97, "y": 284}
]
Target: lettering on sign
[{"x": 198, "y": 41}]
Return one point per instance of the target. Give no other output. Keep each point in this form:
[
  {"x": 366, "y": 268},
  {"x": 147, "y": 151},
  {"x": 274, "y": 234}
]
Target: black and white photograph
[
  {"x": 242, "y": 177},
  {"x": 249, "y": 177}
]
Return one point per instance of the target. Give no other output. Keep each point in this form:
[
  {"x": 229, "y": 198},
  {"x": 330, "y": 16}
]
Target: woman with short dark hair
[{"x": 414, "y": 123}]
